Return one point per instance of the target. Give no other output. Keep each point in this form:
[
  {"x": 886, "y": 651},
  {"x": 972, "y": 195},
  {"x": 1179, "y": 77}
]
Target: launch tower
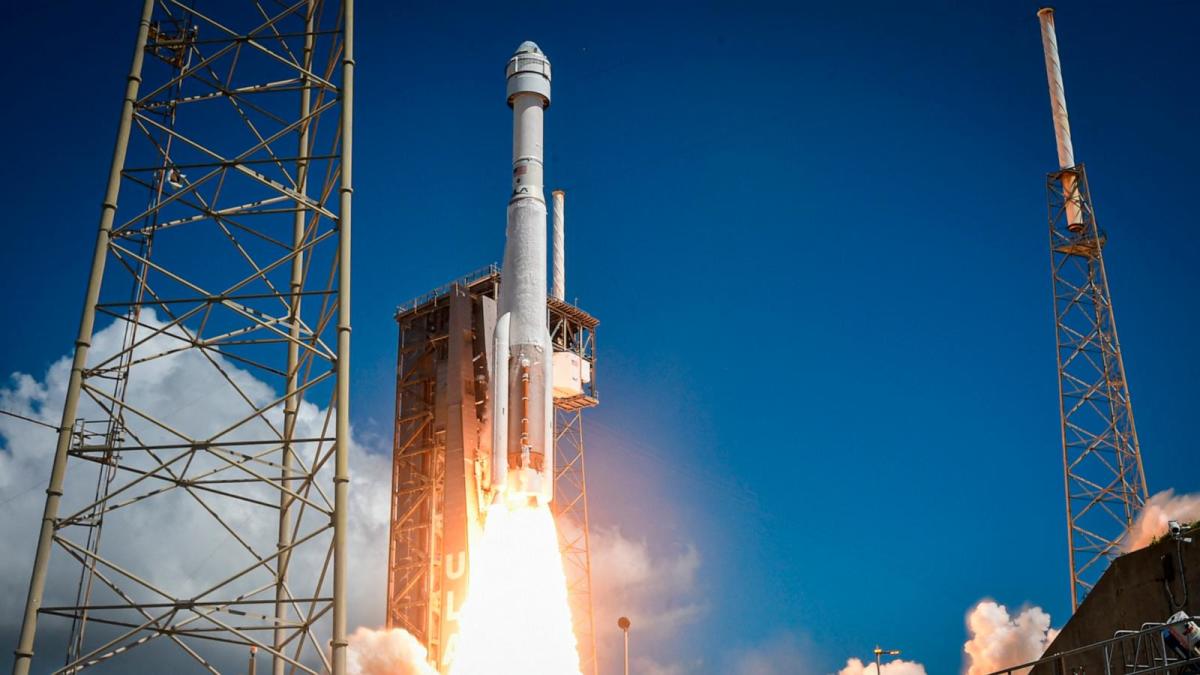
[
  {"x": 442, "y": 442},
  {"x": 1102, "y": 462},
  {"x": 227, "y": 263}
]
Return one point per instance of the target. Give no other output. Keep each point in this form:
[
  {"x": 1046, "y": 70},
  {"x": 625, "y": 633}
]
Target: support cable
[{"x": 28, "y": 419}]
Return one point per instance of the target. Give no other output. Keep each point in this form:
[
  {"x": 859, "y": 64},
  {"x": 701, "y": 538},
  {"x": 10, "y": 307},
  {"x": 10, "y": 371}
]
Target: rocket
[{"x": 522, "y": 420}]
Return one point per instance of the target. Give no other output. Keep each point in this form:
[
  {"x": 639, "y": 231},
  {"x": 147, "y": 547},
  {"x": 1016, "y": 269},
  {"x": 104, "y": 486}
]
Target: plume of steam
[
  {"x": 784, "y": 653},
  {"x": 657, "y": 586},
  {"x": 656, "y": 589},
  {"x": 386, "y": 652},
  {"x": 999, "y": 640},
  {"x": 1151, "y": 523},
  {"x": 896, "y": 667},
  {"x": 648, "y": 666}
]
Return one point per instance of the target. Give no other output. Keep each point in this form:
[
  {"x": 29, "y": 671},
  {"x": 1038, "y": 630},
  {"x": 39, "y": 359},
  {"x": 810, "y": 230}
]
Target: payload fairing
[{"x": 522, "y": 419}]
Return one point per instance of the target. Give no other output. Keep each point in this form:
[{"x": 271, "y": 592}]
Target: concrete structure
[
  {"x": 1143, "y": 587},
  {"x": 1104, "y": 482}
]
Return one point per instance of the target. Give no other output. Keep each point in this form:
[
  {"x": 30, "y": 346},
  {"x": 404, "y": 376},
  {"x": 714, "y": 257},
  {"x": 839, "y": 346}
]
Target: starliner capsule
[{"x": 522, "y": 423}]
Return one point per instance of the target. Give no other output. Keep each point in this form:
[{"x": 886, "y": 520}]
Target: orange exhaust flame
[{"x": 516, "y": 620}]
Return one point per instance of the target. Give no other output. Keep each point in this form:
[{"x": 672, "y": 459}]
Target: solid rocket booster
[{"x": 522, "y": 424}]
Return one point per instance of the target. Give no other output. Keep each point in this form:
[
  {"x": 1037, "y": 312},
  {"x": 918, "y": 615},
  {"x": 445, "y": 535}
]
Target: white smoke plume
[
  {"x": 896, "y": 667},
  {"x": 386, "y": 652},
  {"x": 655, "y": 589},
  {"x": 784, "y": 653},
  {"x": 1152, "y": 522},
  {"x": 647, "y": 666},
  {"x": 652, "y": 667},
  {"x": 999, "y": 640}
]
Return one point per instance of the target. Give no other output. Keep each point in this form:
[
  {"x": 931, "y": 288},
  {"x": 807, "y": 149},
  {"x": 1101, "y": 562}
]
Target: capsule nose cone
[
  {"x": 528, "y": 47},
  {"x": 528, "y": 71}
]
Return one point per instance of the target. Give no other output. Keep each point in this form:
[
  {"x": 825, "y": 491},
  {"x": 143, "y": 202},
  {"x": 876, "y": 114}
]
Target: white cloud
[
  {"x": 895, "y": 667},
  {"x": 999, "y": 640},
  {"x": 190, "y": 550},
  {"x": 996, "y": 640},
  {"x": 1152, "y": 522}
]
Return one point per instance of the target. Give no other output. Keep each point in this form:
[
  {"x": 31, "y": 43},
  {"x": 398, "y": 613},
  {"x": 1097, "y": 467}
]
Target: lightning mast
[
  {"x": 227, "y": 261},
  {"x": 1104, "y": 481}
]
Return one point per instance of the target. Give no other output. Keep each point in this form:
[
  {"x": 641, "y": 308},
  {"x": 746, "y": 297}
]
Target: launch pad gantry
[{"x": 442, "y": 445}]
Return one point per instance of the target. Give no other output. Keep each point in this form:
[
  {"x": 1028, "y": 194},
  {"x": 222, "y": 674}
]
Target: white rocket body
[{"x": 522, "y": 422}]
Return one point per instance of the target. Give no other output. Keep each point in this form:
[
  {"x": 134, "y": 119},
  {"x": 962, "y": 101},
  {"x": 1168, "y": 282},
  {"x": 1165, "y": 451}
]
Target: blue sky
[{"x": 815, "y": 236}]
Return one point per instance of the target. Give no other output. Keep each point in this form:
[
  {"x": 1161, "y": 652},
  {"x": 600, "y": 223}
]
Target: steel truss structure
[
  {"x": 572, "y": 330},
  {"x": 441, "y": 453},
  {"x": 415, "y": 550},
  {"x": 226, "y": 273},
  {"x": 1102, "y": 462}
]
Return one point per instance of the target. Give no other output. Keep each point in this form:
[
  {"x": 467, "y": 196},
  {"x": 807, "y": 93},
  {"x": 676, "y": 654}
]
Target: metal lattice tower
[
  {"x": 572, "y": 330},
  {"x": 1102, "y": 463},
  {"x": 571, "y": 514},
  {"x": 228, "y": 259}
]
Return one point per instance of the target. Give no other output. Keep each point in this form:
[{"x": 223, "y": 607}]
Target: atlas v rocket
[{"x": 522, "y": 419}]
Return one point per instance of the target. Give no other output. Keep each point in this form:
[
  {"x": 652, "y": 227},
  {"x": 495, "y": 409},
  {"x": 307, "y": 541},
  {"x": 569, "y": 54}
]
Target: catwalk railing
[{"x": 1131, "y": 652}]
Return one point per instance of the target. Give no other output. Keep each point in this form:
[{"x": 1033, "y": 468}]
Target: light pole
[
  {"x": 879, "y": 655},
  {"x": 623, "y": 624}
]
